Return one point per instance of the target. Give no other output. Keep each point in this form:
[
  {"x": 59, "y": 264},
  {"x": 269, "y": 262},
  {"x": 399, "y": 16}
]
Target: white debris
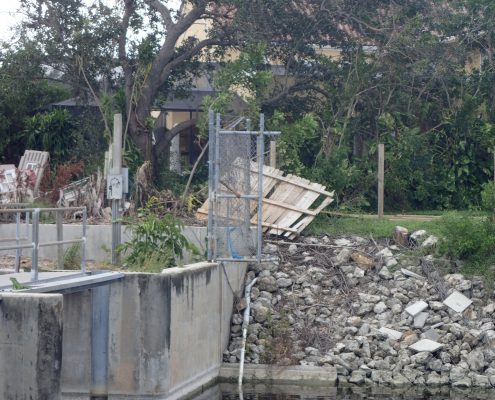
[
  {"x": 391, "y": 333},
  {"x": 420, "y": 320},
  {"x": 411, "y": 274},
  {"x": 416, "y": 308},
  {"x": 457, "y": 301},
  {"x": 426, "y": 345}
]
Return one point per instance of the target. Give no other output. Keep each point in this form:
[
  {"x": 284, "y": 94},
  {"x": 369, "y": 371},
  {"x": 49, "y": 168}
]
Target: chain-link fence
[{"x": 236, "y": 159}]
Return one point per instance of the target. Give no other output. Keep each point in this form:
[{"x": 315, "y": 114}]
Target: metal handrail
[{"x": 35, "y": 242}]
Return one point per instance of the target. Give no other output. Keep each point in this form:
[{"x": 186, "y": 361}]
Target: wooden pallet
[{"x": 287, "y": 202}]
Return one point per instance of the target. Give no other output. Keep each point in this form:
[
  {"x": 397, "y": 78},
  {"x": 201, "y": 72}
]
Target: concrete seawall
[
  {"x": 148, "y": 336},
  {"x": 30, "y": 346}
]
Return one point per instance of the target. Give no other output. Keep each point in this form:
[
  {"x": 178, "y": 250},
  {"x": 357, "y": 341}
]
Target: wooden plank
[
  {"x": 301, "y": 225},
  {"x": 284, "y": 192},
  {"x": 304, "y": 201},
  {"x": 300, "y": 184}
]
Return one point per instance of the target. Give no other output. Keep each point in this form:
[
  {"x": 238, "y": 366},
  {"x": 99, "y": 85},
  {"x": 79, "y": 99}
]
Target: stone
[
  {"x": 260, "y": 312},
  {"x": 421, "y": 357},
  {"x": 489, "y": 309},
  {"x": 476, "y": 360},
  {"x": 354, "y": 321},
  {"x": 430, "y": 242},
  {"x": 401, "y": 235},
  {"x": 292, "y": 249},
  {"x": 457, "y": 301},
  {"x": 431, "y": 334},
  {"x": 341, "y": 258},
  {"x": 426, "y": 345},
  {"x": 418, "y": 235},
  {"x": 385, "y": 253},
  {"x": 435, "y": 379},
  {"x": 380, "y": 377},
  {"x": 380, "y": 308},
  {"x": 480, "y": 381},
  {"x": 343, "y": 242},
  {"x": 362, "y": 260},
  {"x": 416, "y": 308},
  {"x": 411, "y": 274},
  {"x": 368, "y": 298},
  {"x": 420, "y": 320},
  {"x": 391, "y": 333},
  {"x": 284, "y": 282},
  {"x": 385, "y": 274},
  {"x": 267, "y": 283},
  {"x": 399, "y": 380},
  {"x": 357, "y": 377},
  {"x": 390, "y": 262}
]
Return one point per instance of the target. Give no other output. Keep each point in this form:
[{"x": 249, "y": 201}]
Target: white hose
[{"x": 245, "y": 325}]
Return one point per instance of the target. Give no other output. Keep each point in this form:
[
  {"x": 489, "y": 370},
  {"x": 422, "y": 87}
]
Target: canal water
[{"x": 282, "y": 392}]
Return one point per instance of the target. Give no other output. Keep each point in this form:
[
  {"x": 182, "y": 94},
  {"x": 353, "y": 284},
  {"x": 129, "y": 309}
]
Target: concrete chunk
[
  {"x": 416, "y": 308},
  {"x": 426, "y": 345},
  {"x": 411, "y": 274},
  {"x": 457, "y": 301},
  {"x": 431, "y": 334},
  {"x": 420, "y": 320},
  {"x": 391, "y": 333}
]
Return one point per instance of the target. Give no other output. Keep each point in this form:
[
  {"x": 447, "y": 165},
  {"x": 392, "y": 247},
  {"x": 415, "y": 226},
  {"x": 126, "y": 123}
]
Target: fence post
[
  {"x": 273, "y": 154},
  {"x": 59, "y": 218},
  {"x": 35, "y": 238},
  {"x": 381, "y": 178},
  {"x": 18, "y": 251}
]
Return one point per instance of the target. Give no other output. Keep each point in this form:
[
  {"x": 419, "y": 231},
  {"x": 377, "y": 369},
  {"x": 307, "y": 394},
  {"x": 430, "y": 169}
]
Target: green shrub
[
  {"x": 488, "y": 198},
  {"x": 467, "y": 238},
  {"x": 156, "y": 240},
  {"x": 72, "y": 257}
]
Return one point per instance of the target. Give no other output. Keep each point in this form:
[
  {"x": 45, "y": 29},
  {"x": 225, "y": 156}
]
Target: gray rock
[
  {"x": 381, "y": 377},
  {"x": 368, "y": 298},
  {"x": 421, "y": 358},
  {"x": 480, "y": 381},
  {"x": 284, "y": 282},
  {"x": 292, "y": 249},
  {"x": 385, "y": 274},
  {"x": 435, "y": 379},
  {"x": 267, "y": 283},
  {"x": 399, "y": 380},
  {"x": 476, "y": 360},
  {"x": 418, "y": 235},
  {"x": 380, "y": 308},
  {"x": 357, "y": 377},
  {"x": 430, "y": 242},
  {"x": 260, "y": 312},
  {"x": 343, "y": 257}
]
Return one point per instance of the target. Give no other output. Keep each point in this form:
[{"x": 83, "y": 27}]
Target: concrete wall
[
  {"x": 30, "y": 346},
  {"x": 166, "y": 335},
  {"x": 147, "y": 336},
  {"x": 98, "y": 242}
]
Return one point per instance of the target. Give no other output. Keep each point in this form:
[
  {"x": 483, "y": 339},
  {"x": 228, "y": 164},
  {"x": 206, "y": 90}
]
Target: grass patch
[{"x": 365, "y": 226}]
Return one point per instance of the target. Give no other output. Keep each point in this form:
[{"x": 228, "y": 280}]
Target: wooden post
[
  {"x": 59, "y": 218},
  {"x": 381, "y": 178},
  {"x": 273, "y": 154}
]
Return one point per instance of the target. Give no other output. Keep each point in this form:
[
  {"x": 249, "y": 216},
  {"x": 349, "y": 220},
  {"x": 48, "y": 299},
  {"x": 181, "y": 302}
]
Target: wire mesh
[{"x": 236, "y": 196}]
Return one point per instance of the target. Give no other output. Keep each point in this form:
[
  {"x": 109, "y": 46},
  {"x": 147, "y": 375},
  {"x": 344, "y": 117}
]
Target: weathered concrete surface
[
  {"x": 30, "y": 346},
  {"x": 76, "y": 349},
  {"x": 168, "y": 331},
  {"x": 275, "y": 374},
  {"x": 99, "y": 239}
]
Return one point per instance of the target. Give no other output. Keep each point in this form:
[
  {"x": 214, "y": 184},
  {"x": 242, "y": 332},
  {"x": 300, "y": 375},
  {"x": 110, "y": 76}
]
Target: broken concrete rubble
[{"x": 388, "y": 326}]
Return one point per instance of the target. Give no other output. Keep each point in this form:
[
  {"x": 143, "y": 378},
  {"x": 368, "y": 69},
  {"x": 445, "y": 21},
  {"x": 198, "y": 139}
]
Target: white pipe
[{"x": 245, "y": 325}]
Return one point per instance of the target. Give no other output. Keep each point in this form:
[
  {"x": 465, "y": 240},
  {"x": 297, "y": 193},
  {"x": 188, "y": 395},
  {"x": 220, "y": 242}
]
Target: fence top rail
[
  {"x": 16, "y": 210},
  {"x": 267, "y": 133}
]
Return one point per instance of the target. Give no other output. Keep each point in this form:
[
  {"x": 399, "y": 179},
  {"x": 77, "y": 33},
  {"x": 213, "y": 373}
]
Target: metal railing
[{"x": 35, "y": 237}]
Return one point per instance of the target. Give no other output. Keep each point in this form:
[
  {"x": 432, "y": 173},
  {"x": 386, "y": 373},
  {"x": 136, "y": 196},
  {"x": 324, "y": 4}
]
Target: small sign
[{"x": 114, "y": 187}]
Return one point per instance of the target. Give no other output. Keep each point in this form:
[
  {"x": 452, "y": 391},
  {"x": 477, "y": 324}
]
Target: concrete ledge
[{"x": 274, "y": 374}]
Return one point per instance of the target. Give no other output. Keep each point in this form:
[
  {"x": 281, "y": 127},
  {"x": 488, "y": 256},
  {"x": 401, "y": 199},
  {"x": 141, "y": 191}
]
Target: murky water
[{"x": 263, "y": 392}]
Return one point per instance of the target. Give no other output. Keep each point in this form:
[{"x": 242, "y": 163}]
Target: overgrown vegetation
[
  {"x": 72, "y": 257},
  {"x": 156, "y": 240}
]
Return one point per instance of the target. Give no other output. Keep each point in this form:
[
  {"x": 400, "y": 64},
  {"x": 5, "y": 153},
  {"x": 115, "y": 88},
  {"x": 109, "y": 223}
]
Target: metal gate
[{"x": 235, "y": 194}]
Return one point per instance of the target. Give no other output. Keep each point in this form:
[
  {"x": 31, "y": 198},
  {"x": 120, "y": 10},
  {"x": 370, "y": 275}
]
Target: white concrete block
[
  {"x": 457, "y": 301},
  {"x": 391, "y": 333},
  {"x": 420, "y": 320},
  {"x": 416, "y": 308},
  {"x": 426, "y": 345}
]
